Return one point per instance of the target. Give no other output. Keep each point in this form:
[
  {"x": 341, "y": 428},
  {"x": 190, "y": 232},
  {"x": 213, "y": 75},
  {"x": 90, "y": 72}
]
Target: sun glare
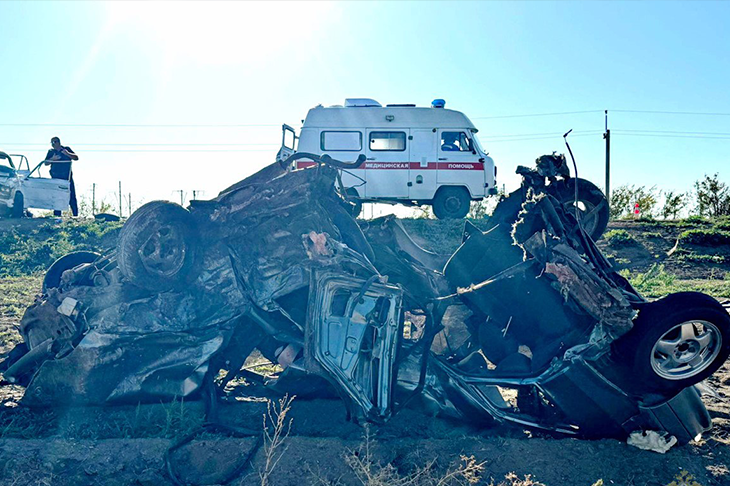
[{"x": 221, "y": 32}]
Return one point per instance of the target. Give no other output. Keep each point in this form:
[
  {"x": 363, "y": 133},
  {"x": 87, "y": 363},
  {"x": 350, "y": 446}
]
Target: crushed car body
[{"x": 525, "y": 323}]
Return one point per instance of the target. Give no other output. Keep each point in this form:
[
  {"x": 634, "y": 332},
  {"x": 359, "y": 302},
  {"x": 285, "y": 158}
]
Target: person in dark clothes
[{"x": 59, "y": 158}]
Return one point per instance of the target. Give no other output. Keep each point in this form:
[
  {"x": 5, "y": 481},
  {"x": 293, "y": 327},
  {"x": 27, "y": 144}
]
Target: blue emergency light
[{"x": 439, "y": 103}]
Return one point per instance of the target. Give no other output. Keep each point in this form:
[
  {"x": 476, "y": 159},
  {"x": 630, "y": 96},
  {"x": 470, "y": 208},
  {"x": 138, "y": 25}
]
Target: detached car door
[{"x": 45, "y": 193}]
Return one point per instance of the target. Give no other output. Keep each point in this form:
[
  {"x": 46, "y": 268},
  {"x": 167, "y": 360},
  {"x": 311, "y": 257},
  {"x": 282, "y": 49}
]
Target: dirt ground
[{"x": 126, "y": 445}]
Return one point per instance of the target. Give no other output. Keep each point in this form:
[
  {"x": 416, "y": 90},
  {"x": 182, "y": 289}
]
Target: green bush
[
  {"x": 694, "y": 219},
  {"x": 656, "y": 281},
  {"x": 701, "y": 258},
  {"x": 29, "y": 253},
  {"x": 705, "y": 237},
  {"x": 618, "y": 238}
]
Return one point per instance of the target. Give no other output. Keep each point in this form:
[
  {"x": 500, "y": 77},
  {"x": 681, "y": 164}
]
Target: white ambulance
[{"x": 413, "y": 155}]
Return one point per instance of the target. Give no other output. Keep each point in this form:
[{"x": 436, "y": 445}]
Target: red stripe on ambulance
[{"x": 409, "y": 165}]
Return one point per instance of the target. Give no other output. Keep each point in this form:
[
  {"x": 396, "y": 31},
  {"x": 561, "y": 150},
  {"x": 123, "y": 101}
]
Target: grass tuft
[{"x": 619, "y": 238}]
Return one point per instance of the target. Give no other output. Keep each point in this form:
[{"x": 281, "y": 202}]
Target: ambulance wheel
[
  {"x": 18, "y": 203},
  {"x": 451, "y": 203}
]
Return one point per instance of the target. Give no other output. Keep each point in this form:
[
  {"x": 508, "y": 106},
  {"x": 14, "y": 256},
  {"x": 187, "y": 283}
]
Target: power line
[
  {"x": 148, "y": 144},
  {"x": 536, "y": 114},
  {"x": 540, "y": 134},
  {"x": 552, "y": 137},
  {"x": 659, "y": 135},
  {"x": 250, "y": 125},
  {"x": 177, "y": 150},
  {"x": 671, "y": 132},
  {"x": 136, "y": 125},
  {"x": 660, "y": 112}
]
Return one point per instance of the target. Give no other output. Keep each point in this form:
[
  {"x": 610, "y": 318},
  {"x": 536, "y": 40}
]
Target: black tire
[
  {"x": 451, "y": 203},
  {"x": 106, "y": 217},
  {"x": 53, "y": 275},
  {"x": 591, "y": 200},
  {"x": 660, "y": 358},
  {"x": 157, "y": 246},
  {"x": 355, "y": 206},
  {"x": 18, "y": 205}
]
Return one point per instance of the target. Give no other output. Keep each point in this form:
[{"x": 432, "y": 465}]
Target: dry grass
[
  {"x": 372, "y": 473},
  {"x": 512, "y": 479},
  {"x": 276, "y": 430}
]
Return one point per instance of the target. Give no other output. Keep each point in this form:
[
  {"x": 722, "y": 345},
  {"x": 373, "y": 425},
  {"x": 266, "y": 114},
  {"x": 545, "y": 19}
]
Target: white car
[{"x": 22, "y": 188}]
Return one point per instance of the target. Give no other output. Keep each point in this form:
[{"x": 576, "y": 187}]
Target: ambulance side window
[
  {"x": 387, "y": 141},
  {"x": 340, "y": 141},
  {"x": 455, "y": 142}
]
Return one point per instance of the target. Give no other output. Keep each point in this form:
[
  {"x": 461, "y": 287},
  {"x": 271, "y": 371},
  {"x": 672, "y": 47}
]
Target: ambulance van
[{"x": 413, "y": 155}]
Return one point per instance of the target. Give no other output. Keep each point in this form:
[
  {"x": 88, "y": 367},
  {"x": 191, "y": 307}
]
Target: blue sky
[{"x": 93, "y": 65}]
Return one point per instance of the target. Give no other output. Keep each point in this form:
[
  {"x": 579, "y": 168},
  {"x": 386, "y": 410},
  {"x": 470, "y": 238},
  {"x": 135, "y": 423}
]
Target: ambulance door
[
  {"x": 423, "y": 167},
  {"x": 386, "y": 163},
  {"x": 458, "y": 164}
]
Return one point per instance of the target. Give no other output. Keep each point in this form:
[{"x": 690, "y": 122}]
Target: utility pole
[
  {"x": 182, "y": 196},
  {"x": 607, "y": 137},
  {"x": 120, "y": 199},
  {"x": 129, "y": 204},
  {"x": 93, "y": 199}
]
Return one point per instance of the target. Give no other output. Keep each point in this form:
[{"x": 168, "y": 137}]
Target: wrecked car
[
  {"x": 22, "y": 187},
  {"x": 525, "y": 323}
]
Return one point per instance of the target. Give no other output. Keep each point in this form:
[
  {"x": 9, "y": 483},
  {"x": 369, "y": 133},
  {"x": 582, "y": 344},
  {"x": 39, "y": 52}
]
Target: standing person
[{"x": 59, "y": 158}]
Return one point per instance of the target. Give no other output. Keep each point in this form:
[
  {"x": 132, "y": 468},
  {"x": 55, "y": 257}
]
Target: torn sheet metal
[{"x": 525, "y": 323}]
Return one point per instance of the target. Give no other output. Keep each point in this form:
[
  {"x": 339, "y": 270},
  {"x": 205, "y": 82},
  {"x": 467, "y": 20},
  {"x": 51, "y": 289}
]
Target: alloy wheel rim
[{"x": 686, "y": 350}]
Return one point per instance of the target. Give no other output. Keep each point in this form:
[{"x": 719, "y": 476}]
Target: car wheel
[
  {"x": 591, "y": 203},
  {"x": 53, "y": 275},
  {"x": 676, "y": 342},
  {"x": 18, "y": 205},
  {"x": 451, "y": 203},
  {"x": 157, "y": 246}
]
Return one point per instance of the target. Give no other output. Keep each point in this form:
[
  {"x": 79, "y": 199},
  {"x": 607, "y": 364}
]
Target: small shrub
[
  {"x": 693, "y": 220},
  {"x": 32, "y": 252},
  {"x": 705, "y": 237},
  {"x": 722, "y": 223},
  {"x": 623, "y": 199},
  {"x": 701, "y": 258},
  {"x": 619, "y": 237},
  {"x": 652, "y": 235},
  {"x": 713, "y": 196},
  {"x": 656, "y": 281}
]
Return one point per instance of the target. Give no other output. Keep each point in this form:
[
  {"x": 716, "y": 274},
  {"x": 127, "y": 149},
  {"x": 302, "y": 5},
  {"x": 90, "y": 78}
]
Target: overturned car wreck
[{"x": 525, "y": 323}]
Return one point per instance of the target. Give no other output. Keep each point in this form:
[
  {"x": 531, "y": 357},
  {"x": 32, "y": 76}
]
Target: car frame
[{"x": 277, "y": 263}]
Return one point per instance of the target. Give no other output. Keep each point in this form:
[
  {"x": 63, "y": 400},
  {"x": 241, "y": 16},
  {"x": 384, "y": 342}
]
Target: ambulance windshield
[{"x": 477, "y": 145}]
